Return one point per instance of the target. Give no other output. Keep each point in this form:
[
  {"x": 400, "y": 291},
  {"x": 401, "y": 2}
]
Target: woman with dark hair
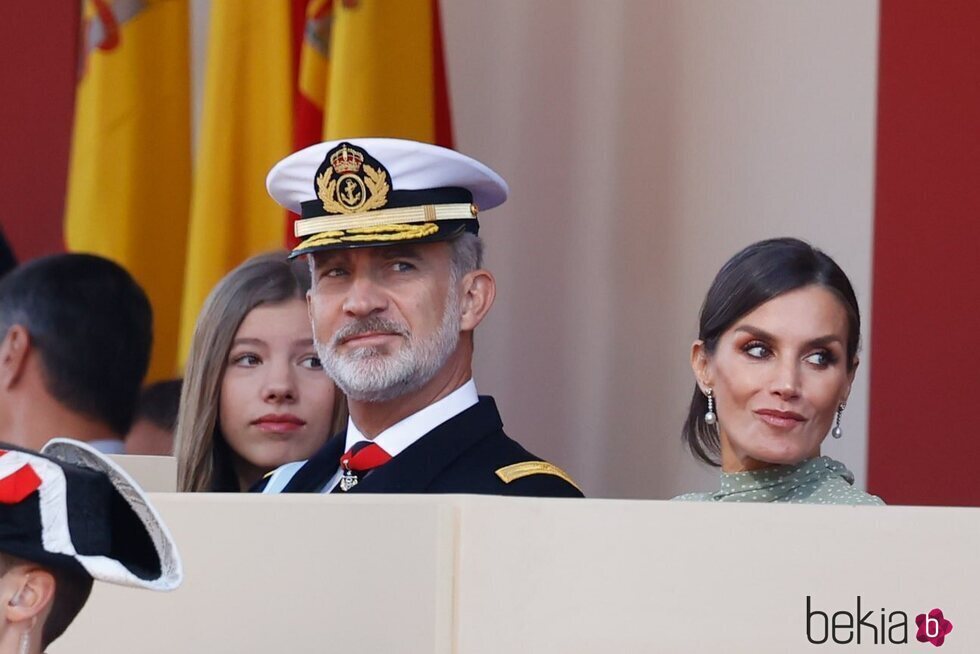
[
  {"x": 254, "y": 395},
  {"x": 774, "y": 361}
]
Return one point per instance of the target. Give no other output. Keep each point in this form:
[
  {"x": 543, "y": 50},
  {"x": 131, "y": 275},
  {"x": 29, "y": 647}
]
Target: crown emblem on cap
[
  {"x": 346, "y": 160},
  {"x": 348, "y": 183}
]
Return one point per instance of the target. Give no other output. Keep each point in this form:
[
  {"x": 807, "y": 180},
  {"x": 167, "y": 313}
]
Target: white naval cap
[{"x": 377, "y": 191}]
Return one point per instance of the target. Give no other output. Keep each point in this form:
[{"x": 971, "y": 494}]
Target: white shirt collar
[
  {"x": 399, "y": 436},
  {"x": 109, "y": 445}
]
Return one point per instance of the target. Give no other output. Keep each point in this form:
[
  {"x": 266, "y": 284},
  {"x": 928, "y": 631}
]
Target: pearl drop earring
[
  {"x": 837, "y": 432},
  {"x": 710, "y": 417}
]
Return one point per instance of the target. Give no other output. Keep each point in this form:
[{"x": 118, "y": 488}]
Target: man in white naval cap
[{"x": 390, "y": 228}]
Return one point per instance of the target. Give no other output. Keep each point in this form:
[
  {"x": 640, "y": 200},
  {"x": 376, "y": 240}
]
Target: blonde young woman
[{"x": 254, "y": 395}]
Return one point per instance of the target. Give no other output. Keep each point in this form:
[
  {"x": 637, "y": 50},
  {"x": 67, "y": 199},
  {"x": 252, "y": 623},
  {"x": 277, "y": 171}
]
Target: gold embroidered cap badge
[{"x": 349, "y": 183}]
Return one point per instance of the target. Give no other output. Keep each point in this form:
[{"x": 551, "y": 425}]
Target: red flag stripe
[{"x": 443, "y": 115}]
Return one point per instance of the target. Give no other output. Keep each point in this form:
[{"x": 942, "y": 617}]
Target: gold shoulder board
[{"x": 528, "y": 468}]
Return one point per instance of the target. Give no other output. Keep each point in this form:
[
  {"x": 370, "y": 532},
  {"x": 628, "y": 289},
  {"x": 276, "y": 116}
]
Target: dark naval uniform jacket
[{"x": 469, "y": 453}]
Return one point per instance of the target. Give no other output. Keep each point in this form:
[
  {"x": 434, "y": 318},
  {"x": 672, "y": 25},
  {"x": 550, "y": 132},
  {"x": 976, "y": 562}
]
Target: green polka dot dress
[{"x": 814, "y": 481}]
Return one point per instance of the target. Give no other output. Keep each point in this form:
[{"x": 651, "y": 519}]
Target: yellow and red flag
[
  {"x": 130, "y": 167},
  {"x": 359, "y": 68},
  {"x": 372, "y": 68},
  {"x": 246, "y": 127}
]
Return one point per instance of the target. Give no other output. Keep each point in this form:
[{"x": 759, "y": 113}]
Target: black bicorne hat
[{"x": 73, "y": 509}]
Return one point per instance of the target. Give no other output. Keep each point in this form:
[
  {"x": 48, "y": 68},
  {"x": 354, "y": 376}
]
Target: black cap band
[{"x": 398, "y": 199}]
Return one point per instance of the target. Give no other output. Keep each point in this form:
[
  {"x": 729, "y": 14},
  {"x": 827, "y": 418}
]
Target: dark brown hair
[
  {"x": 92, "y": 326},
  {"x": 755, "y": 275}
]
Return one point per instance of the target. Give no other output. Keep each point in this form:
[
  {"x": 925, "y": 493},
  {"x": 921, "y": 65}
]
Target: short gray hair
[{"x": 467, "y": 254}]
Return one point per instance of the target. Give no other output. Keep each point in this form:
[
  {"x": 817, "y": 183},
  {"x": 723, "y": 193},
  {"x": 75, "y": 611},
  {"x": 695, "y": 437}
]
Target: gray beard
[{"x": 367, "y": 374}]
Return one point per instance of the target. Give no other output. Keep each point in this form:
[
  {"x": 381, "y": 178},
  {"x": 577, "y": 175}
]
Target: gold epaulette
[{"x": 527, "y": 468}]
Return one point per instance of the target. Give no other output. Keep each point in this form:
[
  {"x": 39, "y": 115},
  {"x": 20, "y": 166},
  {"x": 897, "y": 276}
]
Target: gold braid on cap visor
[
  {"x": 404, "y": 223},
  {"x": 368, "y": 234}
]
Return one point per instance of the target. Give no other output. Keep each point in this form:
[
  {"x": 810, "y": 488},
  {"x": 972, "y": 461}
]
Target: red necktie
[{"x": 358, "y": 460}]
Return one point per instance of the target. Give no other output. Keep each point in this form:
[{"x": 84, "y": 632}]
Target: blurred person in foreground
[
  {"x": 254, "y": 396},
  {"x": 76, "y": 337},
  {"x": 774, "y": 361},
  {"x": 70, "y": 516},
  {"x": 390, "y": 231},
  {"x": 153, "y": 428}
]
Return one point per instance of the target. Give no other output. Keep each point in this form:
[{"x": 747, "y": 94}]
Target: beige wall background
[{"x": 645, "y": 142}]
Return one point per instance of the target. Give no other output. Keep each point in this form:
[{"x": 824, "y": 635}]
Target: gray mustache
[{"x": 373, "y": 324}]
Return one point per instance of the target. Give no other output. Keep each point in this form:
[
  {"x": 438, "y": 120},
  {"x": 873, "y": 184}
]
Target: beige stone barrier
[
  {"x": 155, "y": 474},
  {"x": 482, "y": 575}
]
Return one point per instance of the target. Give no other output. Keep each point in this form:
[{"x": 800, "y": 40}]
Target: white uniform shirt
[{"x": 392, "y": 440}]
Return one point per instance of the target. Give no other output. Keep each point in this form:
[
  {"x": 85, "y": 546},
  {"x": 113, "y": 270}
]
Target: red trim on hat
[{"x": 14, "y": 488}]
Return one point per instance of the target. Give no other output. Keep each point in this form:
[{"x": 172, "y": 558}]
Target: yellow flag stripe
[
  {"x": 246, "y": 126},
  {"x": 381, "y": 81},
  {"x": 130, "y": 168}
]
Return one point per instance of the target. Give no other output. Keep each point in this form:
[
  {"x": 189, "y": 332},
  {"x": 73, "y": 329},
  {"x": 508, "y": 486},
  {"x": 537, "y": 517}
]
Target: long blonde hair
[{"x": 203, "y": 455}]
